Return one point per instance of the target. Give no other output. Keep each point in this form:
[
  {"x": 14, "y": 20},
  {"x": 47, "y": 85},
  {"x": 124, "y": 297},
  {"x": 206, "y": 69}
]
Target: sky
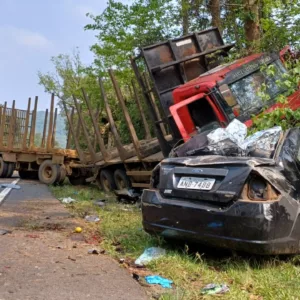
[{"x": 31, "y": 32}]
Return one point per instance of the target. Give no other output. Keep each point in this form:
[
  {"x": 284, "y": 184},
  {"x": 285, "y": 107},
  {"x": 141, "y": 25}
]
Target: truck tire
[
  {"x": 10, "y": 169},
  {"x": 107, "y": 181},
  {"x": 3, "y": 168},
  {"x": 48, "y": 172},
  {"x": 62, "y": 175},
  {"x": 121, "y": 179}
]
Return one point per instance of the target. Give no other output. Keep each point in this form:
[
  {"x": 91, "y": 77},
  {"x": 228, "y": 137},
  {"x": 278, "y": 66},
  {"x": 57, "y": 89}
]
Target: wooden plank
[
  {"x": 54, "y": 129},
  {"x": 24, "y": 144},
  {"x": 3, "y": 125},
  {"x": 44, "y": 130},
  {"x": 122, "y": 151},
  {"x": 139, "y": 173},
  {"x": 12, "y": 125},
  {"x": 140, "y": 185},
  {"x": 33, "y": 122},
  {"x": 69, "y": 131},
  {"x": 75, "y": 137},
  {"x": 140, "y": 108},
  {"x": 125, "y": 112},
  {"x": 50, "y": 126},
  {"x": 152, "y": 98},
  {"x": 85, "y": 131},
  {"x": 96, "y": 127}
]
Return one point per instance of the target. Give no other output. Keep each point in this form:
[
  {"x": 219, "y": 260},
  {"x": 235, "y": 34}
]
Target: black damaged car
[{"x": 248, "y": 203}]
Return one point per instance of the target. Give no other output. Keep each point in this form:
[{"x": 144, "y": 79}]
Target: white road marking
[{"x": 6, "y": 191}]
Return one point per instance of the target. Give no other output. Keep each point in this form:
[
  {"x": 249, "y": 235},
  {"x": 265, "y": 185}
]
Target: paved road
[{"x": 40, "y": 260}]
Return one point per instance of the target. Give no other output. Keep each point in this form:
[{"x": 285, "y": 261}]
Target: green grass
[{"x": 249, "y": 277}]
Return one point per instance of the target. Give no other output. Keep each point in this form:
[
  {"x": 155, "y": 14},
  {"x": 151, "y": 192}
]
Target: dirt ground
[{"x": 43, "y": 259}]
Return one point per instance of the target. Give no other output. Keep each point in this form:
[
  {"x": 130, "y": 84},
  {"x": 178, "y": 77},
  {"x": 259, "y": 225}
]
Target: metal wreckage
[{"x": 226, "y": 191}]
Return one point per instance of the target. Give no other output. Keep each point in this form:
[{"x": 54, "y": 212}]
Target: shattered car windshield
[{"x": 246, "y": 90}]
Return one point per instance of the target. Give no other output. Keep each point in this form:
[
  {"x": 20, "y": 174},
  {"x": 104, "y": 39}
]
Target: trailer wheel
[
  {"x": 62, "y": 175},
  {"x": 48, "y": 172},
  {"x": 107, "y": 181},
  {"x": 3, "y": 168},
  {"x": 10, "y": 169},
  {"x": 121, "y": 179}
]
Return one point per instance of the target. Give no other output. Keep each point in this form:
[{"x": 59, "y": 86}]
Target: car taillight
[
  {"x": 155, "y": 177},
  {"x": 259, "y": 189}
]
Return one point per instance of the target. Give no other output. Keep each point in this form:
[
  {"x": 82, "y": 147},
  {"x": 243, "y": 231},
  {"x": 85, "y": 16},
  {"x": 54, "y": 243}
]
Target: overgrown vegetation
[
  {"x": 190, "y": 266},
  {"x": 121, "y": 29},
  {"x": 283, "y": 114}
]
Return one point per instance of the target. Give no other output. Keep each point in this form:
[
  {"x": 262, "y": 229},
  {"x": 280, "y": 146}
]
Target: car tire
[
  {"x": 3, "y": 168},
  {"x": 48, "y": 172},
  {"x": 107, "y": 181},
  {"x": 122, "y": 181}
]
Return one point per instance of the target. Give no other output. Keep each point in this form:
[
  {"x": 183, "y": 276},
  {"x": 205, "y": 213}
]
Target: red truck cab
[{"x": 228, "y": 91}]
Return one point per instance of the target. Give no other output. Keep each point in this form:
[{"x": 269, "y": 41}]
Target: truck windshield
[{"x": 246, "y": 90}]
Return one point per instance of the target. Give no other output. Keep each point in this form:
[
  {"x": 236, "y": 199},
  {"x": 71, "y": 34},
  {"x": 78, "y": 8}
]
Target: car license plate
[{"x": 196, "y": 183}]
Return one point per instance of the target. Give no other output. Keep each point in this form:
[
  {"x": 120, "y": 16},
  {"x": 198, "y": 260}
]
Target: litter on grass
[
  {"x": 4, "y": 231},
  {"x": 96, "y": 251},
  {"x": 67, "y": 200},
  {"x": 155, "y": 279},
  {"x": 92, "y": 219},
  {"x": 150, "y": 254},
  {"x": 212, "y": 289},
  {"x": 100, "y": 203}
]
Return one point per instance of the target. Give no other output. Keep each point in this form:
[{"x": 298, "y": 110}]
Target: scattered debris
[
  {"x": 10, "y": 186},
  {"x": 4, "y": 231},
  {"x": 135, "y": 276},
  {"x": 150, "y": 254},
  {"x": 70, "y": 258},
  {"x": 67, "y": 200},
  {"x": 127, "y": 195},
  {"x": 92, "y": 219},
  {"x": 100, "y": 203},
  {"x": 121, "y": 260},
  {"x": 155, "y": 279},
  {"x": 32, "y": 236},
  {"x": 212, "y": 289},
  {"x": 78, "y": 229},
  {"x": 96, "y": 251}
]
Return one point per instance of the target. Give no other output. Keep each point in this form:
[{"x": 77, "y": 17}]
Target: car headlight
[{"x": 259, "y": 189}]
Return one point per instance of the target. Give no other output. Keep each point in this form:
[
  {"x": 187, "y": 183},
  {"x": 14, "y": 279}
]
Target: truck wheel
[
  {"x": 48, "y": 172},
  {"x": 62, "y": 175},
  {"x": 3, "y": 168},
  {"x": 121, "y": 179},
  {"x": 107, "y": 181},
  {"x": 10, "y": 169}
]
